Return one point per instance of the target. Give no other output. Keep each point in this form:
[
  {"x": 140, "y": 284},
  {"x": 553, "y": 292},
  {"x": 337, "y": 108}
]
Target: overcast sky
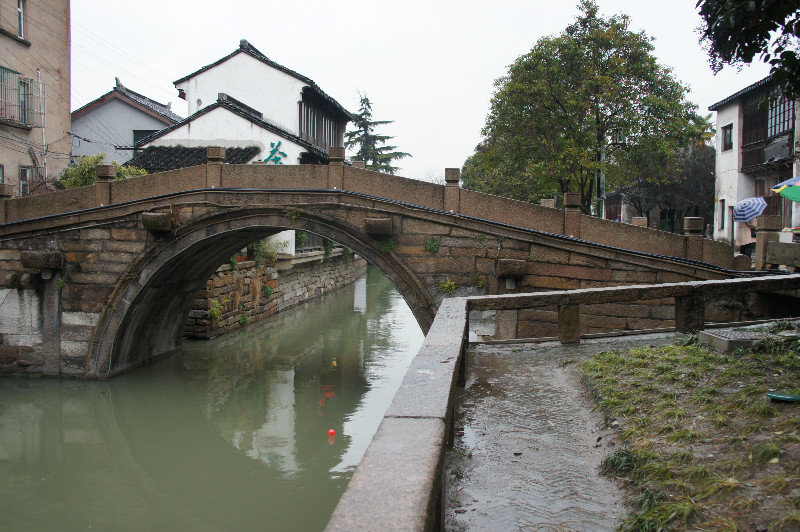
[{"x": 427, "y": 65}]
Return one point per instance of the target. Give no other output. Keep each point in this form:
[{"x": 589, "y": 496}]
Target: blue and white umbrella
[{"x": 748, "y": 209}]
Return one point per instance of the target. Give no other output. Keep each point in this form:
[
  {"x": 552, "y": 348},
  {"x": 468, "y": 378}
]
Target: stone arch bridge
[{"x": 99, "y": 279}]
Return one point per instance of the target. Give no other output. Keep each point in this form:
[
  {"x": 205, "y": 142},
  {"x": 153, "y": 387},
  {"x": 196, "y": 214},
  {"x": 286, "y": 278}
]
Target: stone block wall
[{"x": 234, "y": 297}]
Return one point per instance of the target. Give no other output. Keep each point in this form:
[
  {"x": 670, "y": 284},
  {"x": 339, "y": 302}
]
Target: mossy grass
[{"x": 702, "y": 446}]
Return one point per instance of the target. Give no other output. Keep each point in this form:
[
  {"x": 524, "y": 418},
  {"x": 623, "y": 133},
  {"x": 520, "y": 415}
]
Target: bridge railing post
[
  {"x": 106, "y": 173},
  {"x": 215, "y": 156},
  {"x": 572, "y": 214},
  {"x": 693, "y": 230},
  {"x": 452, "y": 191},
  {"x": 767, "y": 230},
  {"x": 336, "y": 168},
  {"x": 690, "y": 312},
  {"x": 569, "y": 324}
]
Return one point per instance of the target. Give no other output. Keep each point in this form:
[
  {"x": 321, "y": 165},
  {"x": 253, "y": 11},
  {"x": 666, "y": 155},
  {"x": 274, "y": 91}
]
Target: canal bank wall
[{"x": 247, "y": 291}]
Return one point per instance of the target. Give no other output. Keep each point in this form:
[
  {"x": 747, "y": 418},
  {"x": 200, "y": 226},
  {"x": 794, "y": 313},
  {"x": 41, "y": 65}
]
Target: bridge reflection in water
[{"x": 228, "y": 434}]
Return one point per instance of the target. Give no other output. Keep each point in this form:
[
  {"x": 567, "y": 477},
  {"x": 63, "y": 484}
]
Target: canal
[{"x": 227, "y": 434}]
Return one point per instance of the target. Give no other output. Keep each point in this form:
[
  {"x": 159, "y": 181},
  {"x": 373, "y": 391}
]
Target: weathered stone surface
[
  {"x": 42, "y": 260},
  {"x": 139, "y": 270},
  {"x": 126, "y": 234},
  {"x": 768, "y": 223},
  {"x": 95, "y": 234},
  {"x": 397, "y": 484},
  {"x": 80, "y": 318},
  {"x": 512, "y": 268},
  {"x": 569, "y": 324},
  {"x": 572, "y": 200},
  {"x": 8, "y": 354},
  {"x": 742, "y": 263},
  {"x": 782, "y": 253},
  {"x": 692, "y": 224},
  {"x": 378, "y": 226},
  {"x": 157, "y": 221}
]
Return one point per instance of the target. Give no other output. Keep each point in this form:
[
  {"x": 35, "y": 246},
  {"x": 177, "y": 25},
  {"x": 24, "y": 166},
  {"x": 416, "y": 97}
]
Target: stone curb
[{"x": 398, "y": 483}]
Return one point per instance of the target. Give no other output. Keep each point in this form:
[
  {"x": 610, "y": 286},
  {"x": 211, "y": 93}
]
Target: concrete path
[{"x": 529, "y": 442}]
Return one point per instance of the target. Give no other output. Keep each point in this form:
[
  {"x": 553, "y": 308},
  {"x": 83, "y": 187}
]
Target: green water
[{"x": 228, "y": 434}]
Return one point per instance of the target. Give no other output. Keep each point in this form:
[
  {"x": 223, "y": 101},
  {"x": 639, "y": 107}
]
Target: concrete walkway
[{"x": 529, "y": 442}]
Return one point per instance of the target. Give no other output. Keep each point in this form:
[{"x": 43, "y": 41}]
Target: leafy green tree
[
  {"x": 736, "y": 31},
  {"x": 370, "y": 145},
  {"x": 84, "y": 172},
  {"x": 565, "y": 111},
  {"x": 680, "y": 178}
]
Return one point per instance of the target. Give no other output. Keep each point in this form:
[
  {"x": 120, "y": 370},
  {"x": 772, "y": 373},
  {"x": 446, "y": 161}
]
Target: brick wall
[{"x": 234, "y": 297}]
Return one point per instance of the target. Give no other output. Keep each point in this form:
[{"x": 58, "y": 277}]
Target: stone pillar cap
[
  {"x": 572, "y": 200},
  {"x": 106, "y": 172},
  {"x": 452, "y": 175},
  {"x": 215, "y": 154}
]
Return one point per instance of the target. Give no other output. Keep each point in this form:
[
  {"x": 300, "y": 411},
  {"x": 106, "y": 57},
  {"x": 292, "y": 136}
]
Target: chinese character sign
[{"x": 275, "y": 155}]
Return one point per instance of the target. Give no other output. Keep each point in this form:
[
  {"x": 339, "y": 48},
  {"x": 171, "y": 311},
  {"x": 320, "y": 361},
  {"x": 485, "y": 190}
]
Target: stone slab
[
  {"x": 727, "y": 340},
  {"x": 397, "y": 483}
]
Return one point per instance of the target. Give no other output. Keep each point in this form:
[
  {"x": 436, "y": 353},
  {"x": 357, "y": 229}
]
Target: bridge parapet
[
  {"x": 336, "y": 176},
  {"x": 140, "y": 259}
]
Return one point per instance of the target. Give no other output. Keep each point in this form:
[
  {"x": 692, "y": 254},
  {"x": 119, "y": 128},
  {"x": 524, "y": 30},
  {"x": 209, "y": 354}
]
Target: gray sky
[{"x": 427, "y": 65}]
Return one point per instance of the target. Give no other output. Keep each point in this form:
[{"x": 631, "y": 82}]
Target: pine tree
[{"x": 371, "y": 146}]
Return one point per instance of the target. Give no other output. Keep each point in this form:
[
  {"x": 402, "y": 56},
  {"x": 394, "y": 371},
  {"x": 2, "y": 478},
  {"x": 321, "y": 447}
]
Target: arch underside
[{"x": 145, "y": 320}]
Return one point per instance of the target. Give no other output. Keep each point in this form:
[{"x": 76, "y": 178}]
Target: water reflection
[{"x": 230, "y": 434}]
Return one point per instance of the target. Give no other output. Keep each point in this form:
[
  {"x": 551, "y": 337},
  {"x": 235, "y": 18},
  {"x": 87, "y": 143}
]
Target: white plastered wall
[
  {"x": 731, "y": 185},
  {"x": 265, "y": 89},
  {"x": 208, "y": 130}
]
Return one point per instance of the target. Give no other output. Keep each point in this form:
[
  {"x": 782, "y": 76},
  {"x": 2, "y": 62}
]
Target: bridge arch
[{"x": 144, "y": 317}]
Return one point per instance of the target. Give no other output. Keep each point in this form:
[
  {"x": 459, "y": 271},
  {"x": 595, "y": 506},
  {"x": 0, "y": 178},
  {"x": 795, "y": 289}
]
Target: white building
[
  {"x": 117, "y": 120},
  {"x": 246, "y": 99},
  {"x": 757, "y": 138}
]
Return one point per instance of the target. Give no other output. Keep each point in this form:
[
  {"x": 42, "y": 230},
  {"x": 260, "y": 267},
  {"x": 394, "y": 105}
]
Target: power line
[
  {"x": 107, "y": 61},
  {"x": 92, "y": 34},
  {"x": 93, "y": 125}
]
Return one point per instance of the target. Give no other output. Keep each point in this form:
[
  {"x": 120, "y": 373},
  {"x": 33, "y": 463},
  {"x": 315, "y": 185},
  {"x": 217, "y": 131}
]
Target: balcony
[{"x": 21, "y": 100}]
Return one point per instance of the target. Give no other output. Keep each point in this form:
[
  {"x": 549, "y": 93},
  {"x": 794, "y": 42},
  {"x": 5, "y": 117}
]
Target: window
[
  {"x": 30, "y": 179},
  {"x": 761, "y": 187},
  {"x": 21, "y": 99},
  {"x": 139, "y": 134},
  {"x": 722, "y": 214},
  {"x": 780, "y": 118},
  {"x": 2, "y": 175},
  {"x": 21, "y": 18},
  {"x": 727, "y": 137}
]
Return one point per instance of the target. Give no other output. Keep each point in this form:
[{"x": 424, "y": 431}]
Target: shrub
[
  {"x": 447, "y": 286},
  {"x": 431, "y": 245}
]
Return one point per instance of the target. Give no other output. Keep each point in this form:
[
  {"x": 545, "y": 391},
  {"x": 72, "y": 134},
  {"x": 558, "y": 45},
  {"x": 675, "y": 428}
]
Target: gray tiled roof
[
  {"x": 252, "y": 51},
  {"x": 757, "y": 85},
  {"x": 160, "y": 108},
  {"x": 163, "y": 158}
]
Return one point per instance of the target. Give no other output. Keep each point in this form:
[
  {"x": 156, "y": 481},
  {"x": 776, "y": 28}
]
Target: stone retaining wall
[{"x": 251, "y": 292}]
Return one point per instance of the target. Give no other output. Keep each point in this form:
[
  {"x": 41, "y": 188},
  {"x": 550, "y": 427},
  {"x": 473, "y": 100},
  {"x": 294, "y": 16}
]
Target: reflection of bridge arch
[{"x": 145, "y": 317}]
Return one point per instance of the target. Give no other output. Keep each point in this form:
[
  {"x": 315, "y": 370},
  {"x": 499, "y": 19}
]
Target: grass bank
[{"x": 702, "y": 447}]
